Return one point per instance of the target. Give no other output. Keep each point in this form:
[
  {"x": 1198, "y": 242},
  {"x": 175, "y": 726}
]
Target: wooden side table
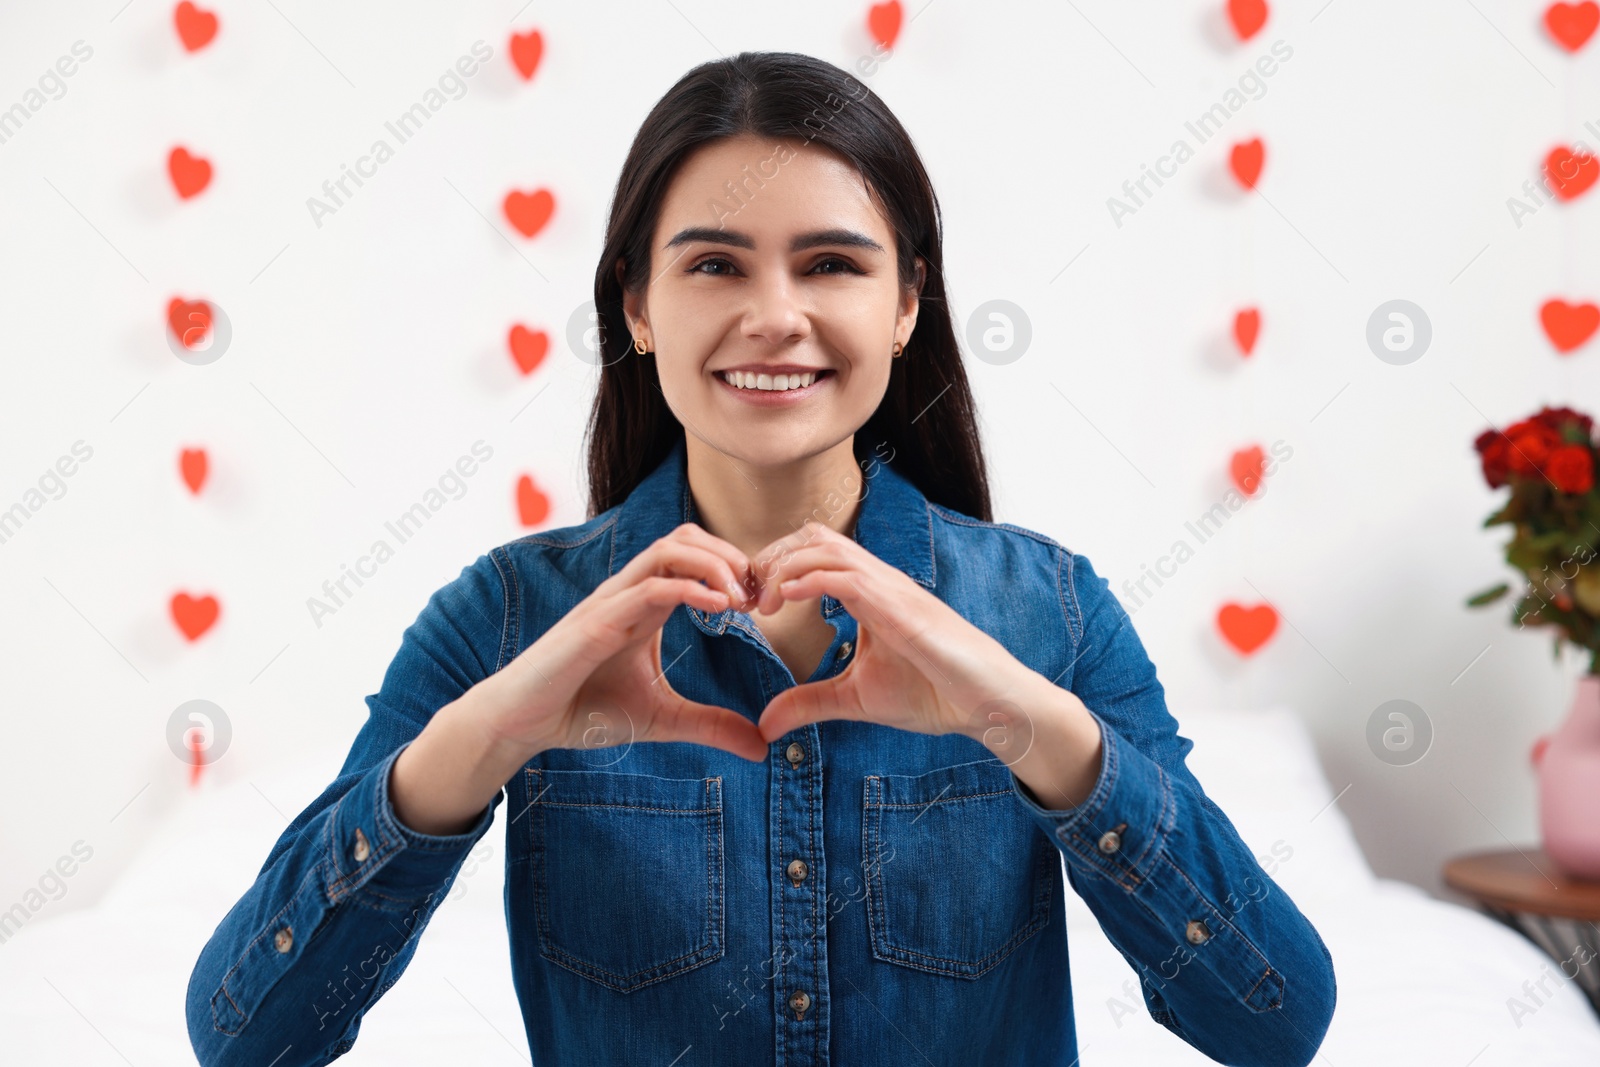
[{"x": 1528, "y": 893}]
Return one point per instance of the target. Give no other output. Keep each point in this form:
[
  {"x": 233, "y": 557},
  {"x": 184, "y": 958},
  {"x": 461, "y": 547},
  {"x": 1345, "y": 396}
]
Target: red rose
[
  {"x": 1531, "y": 444},
  {"x": 1571, "y": 468},
  {"x": 1555, "y": 418},
  {"x": 1496, "y": 452}
]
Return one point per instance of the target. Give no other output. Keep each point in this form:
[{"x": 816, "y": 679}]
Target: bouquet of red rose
[{"x": 1548, "y": 461}]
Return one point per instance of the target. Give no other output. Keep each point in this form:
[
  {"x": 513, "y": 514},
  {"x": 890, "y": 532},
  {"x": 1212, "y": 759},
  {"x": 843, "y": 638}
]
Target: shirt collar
[{"x": 893, "y": 523}]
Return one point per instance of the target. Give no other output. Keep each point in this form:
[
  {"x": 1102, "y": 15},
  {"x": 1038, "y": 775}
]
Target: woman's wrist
[
  {"x": 1048, "y": 739},
  {"x": 447, "y": 776}
]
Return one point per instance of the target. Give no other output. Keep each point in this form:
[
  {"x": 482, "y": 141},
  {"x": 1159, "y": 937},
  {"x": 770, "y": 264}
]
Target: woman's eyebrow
[{"x": 713, "y": 235}]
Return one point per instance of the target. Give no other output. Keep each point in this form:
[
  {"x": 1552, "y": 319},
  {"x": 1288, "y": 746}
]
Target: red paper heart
[
  {"x": 194, "y": 615},
  {"x": 1246, "y": 469},
  {"x": 192, "y": 462},
  {"x": 189, "y": 320},
  {"x": 1568, "y": 325},
  {"x": 1572, "y": 24},
  {"x": 526, "y": 51},
  {"x": 1571, "y": 172},
  {"x": 1247, "y": 17},
  {"x": 528, "y": 347},
  {"x": 1246, "y": 326},
  {"x": 883, "y": 22},
  {"x": 529, "y": 212},
  {"x": 532, "y": 506},
  {"x": 1247, "y": 629},
  {"x": 196, "y": 26},
  {"x": 190, "y": 174},
  {"x": 1245, "y": 161}
]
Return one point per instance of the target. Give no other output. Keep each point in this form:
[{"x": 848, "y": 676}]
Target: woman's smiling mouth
[{"x": 769, "y": 390}]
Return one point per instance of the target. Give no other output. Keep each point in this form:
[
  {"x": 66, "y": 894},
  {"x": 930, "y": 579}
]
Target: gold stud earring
[
  {"x": 896, "y": 350},
  {"x": 639, "y": 346}
]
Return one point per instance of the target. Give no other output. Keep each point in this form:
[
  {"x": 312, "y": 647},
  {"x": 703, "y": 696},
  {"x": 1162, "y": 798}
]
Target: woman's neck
[{"x": 752, "y": 506}]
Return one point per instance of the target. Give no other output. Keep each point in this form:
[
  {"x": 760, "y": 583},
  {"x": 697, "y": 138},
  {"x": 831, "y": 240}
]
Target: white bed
[{"x": 1420, "y": 981}]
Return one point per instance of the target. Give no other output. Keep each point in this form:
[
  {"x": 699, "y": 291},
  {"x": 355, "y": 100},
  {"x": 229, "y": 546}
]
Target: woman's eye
[{"x": 719, "y": 267}]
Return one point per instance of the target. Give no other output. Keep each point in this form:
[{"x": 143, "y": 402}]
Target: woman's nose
[{"x": 776, "y": 313}]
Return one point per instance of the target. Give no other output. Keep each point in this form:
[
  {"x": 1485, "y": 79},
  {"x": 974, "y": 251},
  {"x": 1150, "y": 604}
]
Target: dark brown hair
[{"x": 927, "y": 416}]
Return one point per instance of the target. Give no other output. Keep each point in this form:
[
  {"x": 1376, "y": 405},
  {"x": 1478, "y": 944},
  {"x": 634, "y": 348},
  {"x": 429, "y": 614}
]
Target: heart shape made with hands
[{"x": 918, "y": 664}]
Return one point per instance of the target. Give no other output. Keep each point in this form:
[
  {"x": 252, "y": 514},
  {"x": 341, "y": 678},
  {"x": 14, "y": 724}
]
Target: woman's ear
[
  {"x": 632, "y": 302},
  {"x": 910, "y": 301}
]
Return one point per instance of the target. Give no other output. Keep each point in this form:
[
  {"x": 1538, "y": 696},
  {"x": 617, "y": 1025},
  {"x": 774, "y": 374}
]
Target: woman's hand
[
  {"x": 920, "y": 666},
  {"x": 595, "y": 678}
]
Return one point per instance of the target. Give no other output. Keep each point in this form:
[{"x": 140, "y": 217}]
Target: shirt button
[
  {"x": 1197, "y": 932},
  {"x": 797, "y": 871},
  {"x": 283, "y": 941},
  {"x": 844, "y": 650},
  {"x": 799, "y": 1000},
  {"x": 361, "y": 850},
  {"x": 796, "y": 753},
  {"x": 1110, "y": 841}
]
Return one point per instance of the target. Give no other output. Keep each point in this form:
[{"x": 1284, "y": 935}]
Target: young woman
[{"x": 793, "y": 737}]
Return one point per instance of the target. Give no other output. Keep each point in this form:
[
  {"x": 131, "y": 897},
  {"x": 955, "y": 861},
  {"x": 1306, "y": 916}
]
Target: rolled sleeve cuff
[
  {"x": 1121, "y": 829},
  {"x": 369, "y": 848}
]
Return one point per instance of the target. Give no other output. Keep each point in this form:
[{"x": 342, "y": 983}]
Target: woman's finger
[
  {"x": 639, "y": 611},
  {"x": 695, "y": 534},
  {"x": 685, "y": 557},
  {"x": 801, "y": 705},
  {"x": 681, "y": 719},
  {"x": 870, "y": 601},
  {"x": 829, "y": 556},
  {"x": 770, "y": 559}
]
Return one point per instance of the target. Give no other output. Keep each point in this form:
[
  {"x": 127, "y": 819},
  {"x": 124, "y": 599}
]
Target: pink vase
[{"x": 1568, "y": 762}]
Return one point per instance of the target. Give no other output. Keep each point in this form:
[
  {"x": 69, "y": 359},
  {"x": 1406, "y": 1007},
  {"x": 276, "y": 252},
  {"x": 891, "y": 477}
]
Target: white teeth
[{"x": 768, "y": 382}]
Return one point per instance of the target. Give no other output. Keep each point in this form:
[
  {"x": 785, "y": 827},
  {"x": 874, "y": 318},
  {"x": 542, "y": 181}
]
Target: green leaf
[
  {"x": 1488, "y": 596},
  {"x": 1547, "y": 542},
  {"x": 1524, "y": 557}
]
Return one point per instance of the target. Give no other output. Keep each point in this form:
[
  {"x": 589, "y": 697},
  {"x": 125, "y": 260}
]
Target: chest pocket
[
  {"x": 627, "y": 873},
  {"x": 957, "y": 874}
]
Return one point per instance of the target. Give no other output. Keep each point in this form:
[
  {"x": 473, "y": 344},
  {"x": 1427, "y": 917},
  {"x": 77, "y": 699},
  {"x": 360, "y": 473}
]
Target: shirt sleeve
[
  {"x": 335, "y": 913},
  {"x": 1228, "y": 962}
]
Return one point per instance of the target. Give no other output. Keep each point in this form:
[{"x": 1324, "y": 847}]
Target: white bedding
[{"x": 1420, "y": 981}]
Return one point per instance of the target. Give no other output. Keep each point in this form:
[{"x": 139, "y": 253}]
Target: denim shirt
[{"x": 866, "y": 895}]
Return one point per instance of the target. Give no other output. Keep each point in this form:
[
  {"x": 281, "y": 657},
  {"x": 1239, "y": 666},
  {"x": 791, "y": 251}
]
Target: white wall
[{"x": 368, "y": 353}]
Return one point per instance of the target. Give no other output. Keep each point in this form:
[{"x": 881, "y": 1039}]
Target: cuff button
[
  {"x": 1111, "y": 840},
  {"x": 283, "y": 940},
  {"x": 361, "y": 850}
]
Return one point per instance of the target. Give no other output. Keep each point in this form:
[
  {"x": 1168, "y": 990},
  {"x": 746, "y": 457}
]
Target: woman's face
[{"x": 794, "y": 276}]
